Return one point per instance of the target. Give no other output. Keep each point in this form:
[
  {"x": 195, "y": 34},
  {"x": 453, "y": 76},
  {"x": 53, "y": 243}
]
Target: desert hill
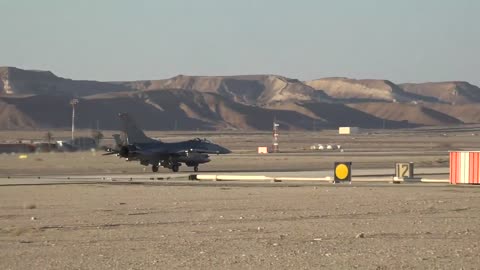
[
  {"x": 14, "y": 81},
  {"x": 446, "y": 92},
  {"x": 366, "y": 90},
  {"x": 413, "y": 113},
  {"x": 40, "y": 99},
  {"x": 252, "y": 90},
  {"x": 12, "y": 118},
  {"x": 467, "y": 113},
  {"x": 156, "y": 110}
]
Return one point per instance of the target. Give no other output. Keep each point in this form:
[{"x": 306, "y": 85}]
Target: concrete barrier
[
  {"x": 325, "y": 179},
  {"x": 407, "y": 179},
  {"x": 445, "y": 181},
  {"x": 419, "y": 180},
  {"x": 214, "y": 177}
]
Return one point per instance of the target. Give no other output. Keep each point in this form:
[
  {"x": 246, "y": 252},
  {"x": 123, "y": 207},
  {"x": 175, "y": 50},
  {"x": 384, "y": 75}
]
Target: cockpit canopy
[{"x": 204, "y": 140}]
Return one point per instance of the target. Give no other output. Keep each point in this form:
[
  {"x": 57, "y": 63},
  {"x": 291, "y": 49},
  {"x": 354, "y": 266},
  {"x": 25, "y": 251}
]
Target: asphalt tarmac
[{"x": 362, "y": 175}]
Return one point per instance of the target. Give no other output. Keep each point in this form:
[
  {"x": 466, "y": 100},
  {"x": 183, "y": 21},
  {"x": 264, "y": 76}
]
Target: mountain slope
[
  {"x": 252, "y": 90},
  {"x": 467, "y": 113},
  {"x": 39, "y": 99},
  {"x": 12, "y": 118},
  {"x": 415, "y": 114},
  {"x": 156, "y": 110},
  {"x": 447, "y": 92},
  {"x": 350, "y": 90},
  {"x": 14, "y": 81}
]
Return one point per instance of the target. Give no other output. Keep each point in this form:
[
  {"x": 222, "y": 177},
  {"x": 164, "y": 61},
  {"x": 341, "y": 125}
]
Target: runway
[{"x": 383, "y": 175}]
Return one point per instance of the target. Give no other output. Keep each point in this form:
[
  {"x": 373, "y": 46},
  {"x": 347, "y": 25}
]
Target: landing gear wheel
[
  {"x": 175, "y": 168},
  {"x": 195, "y": 169},
  {"x": 154, "y": 168}
]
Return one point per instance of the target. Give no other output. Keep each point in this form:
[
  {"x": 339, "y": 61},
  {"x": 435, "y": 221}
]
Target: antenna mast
[
  {"x": 73, "y": 102},
  {"x": 275, "y": 136}
]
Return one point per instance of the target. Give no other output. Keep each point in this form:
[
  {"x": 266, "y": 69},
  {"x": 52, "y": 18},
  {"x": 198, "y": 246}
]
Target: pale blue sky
[{"x": 401, "y": 40}]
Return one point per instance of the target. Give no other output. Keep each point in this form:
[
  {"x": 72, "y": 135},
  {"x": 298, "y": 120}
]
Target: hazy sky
[{"x": 401, "y": 40}]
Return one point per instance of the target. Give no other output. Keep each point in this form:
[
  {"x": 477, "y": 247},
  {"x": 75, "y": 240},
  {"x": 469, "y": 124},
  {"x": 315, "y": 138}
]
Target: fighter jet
[{"x": 148, "y": 151}]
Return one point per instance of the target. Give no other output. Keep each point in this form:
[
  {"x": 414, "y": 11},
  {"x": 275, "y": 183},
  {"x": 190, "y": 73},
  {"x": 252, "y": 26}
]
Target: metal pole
[
  {"x": 73, "y": 102},
  {"x": 275, "y": 136},
  {"x": 73, "y": 121}
]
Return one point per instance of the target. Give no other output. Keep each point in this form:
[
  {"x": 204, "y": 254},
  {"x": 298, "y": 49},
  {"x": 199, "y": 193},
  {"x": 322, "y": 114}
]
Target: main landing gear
[
  {"x": 172, "y": 166},
  {"x": 175, "y": 167},
  {"x": 192, "y": 164}
]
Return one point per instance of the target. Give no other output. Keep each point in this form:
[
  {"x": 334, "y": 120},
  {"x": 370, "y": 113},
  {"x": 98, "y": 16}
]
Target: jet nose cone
[{"x": 223, "y": 150}]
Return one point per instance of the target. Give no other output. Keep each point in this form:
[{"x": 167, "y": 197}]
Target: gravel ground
[{"x": 239, "y": 227}]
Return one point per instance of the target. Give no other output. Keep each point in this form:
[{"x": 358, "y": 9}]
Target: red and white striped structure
[{"x": 465, "y": 167}]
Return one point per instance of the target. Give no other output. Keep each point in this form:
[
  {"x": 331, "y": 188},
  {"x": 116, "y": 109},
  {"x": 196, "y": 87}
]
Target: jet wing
[
  {"x": 149, "y": 153},
  {"x": 162, "y": 153},
  {"x": 197, "y": 151}
]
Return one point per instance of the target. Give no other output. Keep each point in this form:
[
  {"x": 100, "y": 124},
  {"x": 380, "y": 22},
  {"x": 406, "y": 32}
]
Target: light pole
[
  {"x": 73, "y": 102},
  {"x": 275, "y": 136}
]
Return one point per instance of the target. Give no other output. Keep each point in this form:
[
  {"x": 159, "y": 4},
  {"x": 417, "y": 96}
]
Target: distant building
[
  {"x": 263, "y": 150},
  {"x": 348, "y": 130},
  {"x": 16, "y": 148}
]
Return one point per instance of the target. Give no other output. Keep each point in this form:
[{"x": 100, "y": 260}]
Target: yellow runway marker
[{"x": 342, "y": 172}]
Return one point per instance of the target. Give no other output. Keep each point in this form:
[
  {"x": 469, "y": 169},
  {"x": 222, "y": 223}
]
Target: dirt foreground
[{"x": 238, "y": 227}]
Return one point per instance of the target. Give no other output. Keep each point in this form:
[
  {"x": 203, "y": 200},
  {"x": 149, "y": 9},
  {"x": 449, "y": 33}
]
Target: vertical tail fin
[
  {"x": 118, "y": 140},
  {"x": 133, "y": 133}
]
